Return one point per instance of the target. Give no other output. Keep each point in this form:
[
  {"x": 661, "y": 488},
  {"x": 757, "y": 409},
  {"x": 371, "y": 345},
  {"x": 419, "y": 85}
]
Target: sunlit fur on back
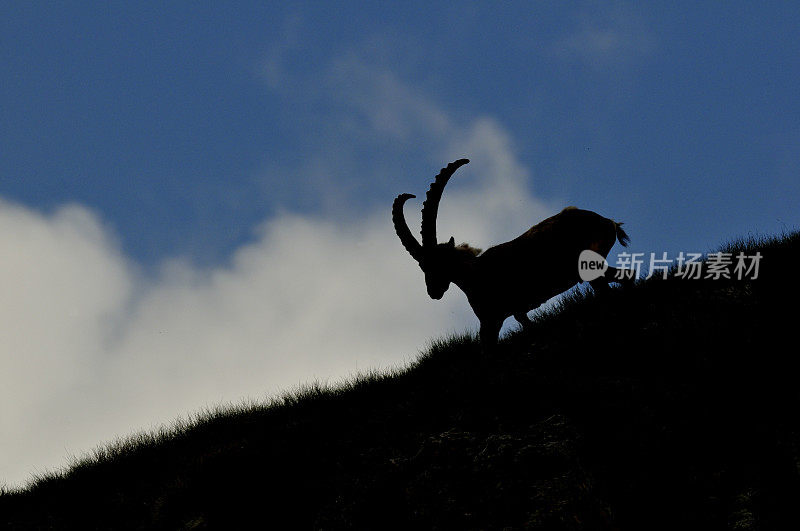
[{"x": 514, "y": 277}]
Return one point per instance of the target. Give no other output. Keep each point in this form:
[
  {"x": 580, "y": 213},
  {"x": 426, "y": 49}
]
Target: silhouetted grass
[{"x": 672, "y": 404}]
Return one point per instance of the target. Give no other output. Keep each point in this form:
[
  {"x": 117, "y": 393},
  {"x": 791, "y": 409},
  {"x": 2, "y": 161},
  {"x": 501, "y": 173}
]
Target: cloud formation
[
  {"x": 92, "y": 350},
  {"x": 613, "y": 37}
]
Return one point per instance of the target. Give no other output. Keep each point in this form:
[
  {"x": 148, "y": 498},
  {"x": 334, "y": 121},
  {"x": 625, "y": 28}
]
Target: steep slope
[{"x": 670, "y": 405}]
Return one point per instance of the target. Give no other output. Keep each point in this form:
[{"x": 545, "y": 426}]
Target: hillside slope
[{"x": 670, "y": 405}]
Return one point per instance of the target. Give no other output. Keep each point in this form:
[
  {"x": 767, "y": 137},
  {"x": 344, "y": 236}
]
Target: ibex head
[{"x": 436, "y": 260}]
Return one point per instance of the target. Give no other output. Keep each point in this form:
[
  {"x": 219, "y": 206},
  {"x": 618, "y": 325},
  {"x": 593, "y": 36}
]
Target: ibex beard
[{"x": 514, "y": 277}]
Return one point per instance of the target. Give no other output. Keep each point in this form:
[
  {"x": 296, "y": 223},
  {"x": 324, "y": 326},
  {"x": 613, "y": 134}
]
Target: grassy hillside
[{"x": 669, "y": 405}]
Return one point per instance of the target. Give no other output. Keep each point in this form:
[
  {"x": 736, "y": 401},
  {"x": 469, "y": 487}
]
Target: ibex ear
[{"x": 451, "y": 242}]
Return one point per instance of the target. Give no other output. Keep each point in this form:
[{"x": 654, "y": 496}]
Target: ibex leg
[
  {"x": 490, "y": 330},
  {"x": 523, "y": 319}
]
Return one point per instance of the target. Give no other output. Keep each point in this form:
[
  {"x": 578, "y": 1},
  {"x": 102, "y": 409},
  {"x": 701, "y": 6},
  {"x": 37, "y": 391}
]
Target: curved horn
[
  {"x": 401, "y": 227},
  {"x": 430, "y": 206}
]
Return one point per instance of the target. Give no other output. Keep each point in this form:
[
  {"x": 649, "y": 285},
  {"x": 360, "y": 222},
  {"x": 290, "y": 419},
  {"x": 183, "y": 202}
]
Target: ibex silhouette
[{"x": 511, "y": 278}]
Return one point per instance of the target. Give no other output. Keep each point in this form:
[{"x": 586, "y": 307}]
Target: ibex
[{"x": 511, "y": 278}]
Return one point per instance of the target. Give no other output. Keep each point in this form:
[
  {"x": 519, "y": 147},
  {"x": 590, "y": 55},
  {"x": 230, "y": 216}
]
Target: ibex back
[{"x": 511, "y": 278}]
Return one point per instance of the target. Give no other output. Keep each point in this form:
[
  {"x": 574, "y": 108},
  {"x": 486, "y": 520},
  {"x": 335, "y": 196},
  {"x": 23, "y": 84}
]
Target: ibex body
[{"x": 511, "y": 278}]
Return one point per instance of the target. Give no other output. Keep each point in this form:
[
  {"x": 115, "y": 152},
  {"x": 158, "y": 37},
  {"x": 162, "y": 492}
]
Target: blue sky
[
  {"x": 184, "y": 127},
  {"x": 183, "y": 171}
]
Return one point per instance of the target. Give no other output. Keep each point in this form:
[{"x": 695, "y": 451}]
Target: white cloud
[
  {"x": 386, "y": 105},
  {"x": 91, "y": 351},
  {"x": 62, "y": 281},
  {"x": 611, "y": 37},
  {"x": 489, "y": 200},
  {"x": 273, "y": 69},
  {"x": 85, "y": 357}
]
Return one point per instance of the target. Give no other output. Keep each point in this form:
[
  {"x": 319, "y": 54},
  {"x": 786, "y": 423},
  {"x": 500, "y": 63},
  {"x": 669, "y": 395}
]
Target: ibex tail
[{"x": 622, "y": 236}]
